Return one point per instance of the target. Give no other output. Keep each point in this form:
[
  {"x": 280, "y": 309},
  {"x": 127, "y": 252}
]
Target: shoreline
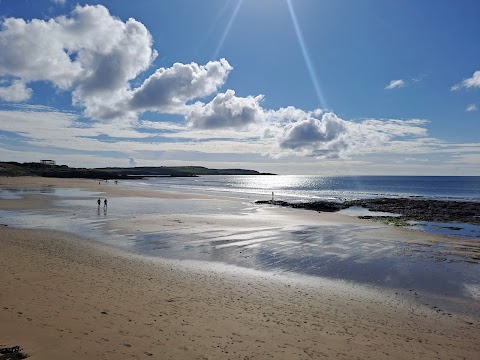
[{"x": 65, "y": 296}]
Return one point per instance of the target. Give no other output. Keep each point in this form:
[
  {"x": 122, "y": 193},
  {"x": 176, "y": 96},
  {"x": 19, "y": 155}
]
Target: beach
[{"x": 67, "y": 296}]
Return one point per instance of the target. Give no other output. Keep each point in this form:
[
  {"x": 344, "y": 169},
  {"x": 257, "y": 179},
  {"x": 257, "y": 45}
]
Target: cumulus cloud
[
  {"x": 16, "y": 91},
  {"x": 473, "y": 82},
  {"x": 315, "y": 137},
  {"x": 132, "y": 162},
  {"x": 291, "y": 131},
  {"x": 95, "y": 56},
  {"x": 107, "y": 71},
  {"x": 395, "y": 84},
  {"x": 227, "y": 111},
  {"x": 91, "y": 53},
  {"x": 472, "y": 107},
  {"x": 332, "y": 137},
  {"x": 171, "y": 88},
  {"x": 26, "y": 53},
  {"x": 291, "y": 113}
]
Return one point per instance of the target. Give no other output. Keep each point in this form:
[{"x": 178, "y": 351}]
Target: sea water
[{"x": 332, "y": 188}]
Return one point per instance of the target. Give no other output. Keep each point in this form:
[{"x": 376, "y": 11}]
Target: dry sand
[{"x": 62, "y": 297}]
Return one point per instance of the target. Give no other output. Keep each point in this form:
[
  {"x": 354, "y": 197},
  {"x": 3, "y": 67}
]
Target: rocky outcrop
[{"x": 408, "y": 208}]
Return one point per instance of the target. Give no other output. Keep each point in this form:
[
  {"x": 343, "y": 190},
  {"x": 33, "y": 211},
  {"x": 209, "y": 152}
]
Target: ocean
[{"x": 333, "y": 188}]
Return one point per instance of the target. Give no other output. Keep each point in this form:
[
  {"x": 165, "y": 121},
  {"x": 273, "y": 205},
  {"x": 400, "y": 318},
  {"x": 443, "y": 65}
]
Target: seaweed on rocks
[
  {"x": 425, "y": 210},
  {"x": 409, "y": 208},
  {"x": 320, "y": 206},
  {"x": 388, "y": 220}
]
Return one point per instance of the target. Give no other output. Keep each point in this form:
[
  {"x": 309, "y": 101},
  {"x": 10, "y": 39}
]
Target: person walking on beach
[
  {"x": 105, "y": 203},
  {"x": 98, "y": 202}
]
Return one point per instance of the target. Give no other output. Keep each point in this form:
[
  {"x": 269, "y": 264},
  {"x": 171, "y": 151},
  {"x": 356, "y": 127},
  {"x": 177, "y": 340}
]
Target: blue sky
[{"x": 285, "y": 86}]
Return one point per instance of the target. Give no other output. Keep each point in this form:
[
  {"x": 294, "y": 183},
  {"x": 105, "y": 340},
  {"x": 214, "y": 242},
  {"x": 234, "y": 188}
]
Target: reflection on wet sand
[
  {"x": 342, "y": 252},
  {"x": 280, "y": 241}
]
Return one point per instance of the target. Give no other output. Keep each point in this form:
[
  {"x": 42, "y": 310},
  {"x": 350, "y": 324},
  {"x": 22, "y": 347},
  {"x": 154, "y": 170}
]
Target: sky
[{"x": 319, "y": 87}]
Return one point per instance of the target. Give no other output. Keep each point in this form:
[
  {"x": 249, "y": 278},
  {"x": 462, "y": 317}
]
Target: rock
[
  {"x": 12, "y": 353},
  {"x": 410, "y": 208}
]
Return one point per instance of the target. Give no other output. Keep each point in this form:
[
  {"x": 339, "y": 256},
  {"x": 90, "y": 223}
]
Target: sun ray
[
  {"x": 214, "y": 24},
  {"x": 306, "y": 57},
  {"x": 227, "y": 29}
]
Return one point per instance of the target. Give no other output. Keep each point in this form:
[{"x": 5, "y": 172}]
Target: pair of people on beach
[{"x": 104, "y": 203}]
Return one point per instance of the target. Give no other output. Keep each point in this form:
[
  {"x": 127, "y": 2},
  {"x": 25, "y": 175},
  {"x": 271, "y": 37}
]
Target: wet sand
[
  {"x": 66, "y": 297},
  {"x": 109, "y": 188}
]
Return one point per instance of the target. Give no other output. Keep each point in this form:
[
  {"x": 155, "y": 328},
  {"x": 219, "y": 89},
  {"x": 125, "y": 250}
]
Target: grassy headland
[{"x": 64, "y": 171}]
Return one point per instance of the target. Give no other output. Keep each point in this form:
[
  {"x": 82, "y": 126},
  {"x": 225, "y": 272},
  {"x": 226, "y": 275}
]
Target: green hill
[{"x": 63, "y": 171}]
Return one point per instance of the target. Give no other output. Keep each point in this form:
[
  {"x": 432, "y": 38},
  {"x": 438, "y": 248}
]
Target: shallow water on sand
[
  {"x": 240, "y": 234},
  {"x": 449, "y": 229},
  {"x": 339, "y": 252}
]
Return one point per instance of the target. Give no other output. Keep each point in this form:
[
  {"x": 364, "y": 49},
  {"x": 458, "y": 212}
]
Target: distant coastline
[{"x": 48, "y": 168}]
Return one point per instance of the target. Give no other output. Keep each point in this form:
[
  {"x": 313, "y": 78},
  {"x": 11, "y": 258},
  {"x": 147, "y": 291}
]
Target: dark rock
[
  {"x": 409, "y": 208},
  {"x": 12, "y": 353},
  {"x": 324, "y": 206}
]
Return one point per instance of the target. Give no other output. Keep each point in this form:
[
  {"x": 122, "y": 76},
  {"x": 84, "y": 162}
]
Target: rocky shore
[{"x": 408, "y": 208}]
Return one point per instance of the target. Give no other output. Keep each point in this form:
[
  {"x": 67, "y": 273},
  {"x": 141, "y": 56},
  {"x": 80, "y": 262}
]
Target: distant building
[{"x": 47, "y": 162}]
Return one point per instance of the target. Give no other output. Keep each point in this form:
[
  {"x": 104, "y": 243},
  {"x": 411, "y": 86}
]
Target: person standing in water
[
  {"x": 98, "y": 202},
  {"x": 105, "y": 203}
]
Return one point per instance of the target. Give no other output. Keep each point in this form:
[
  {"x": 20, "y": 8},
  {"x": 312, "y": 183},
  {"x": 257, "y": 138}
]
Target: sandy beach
[{"x": 63, "y": 296}]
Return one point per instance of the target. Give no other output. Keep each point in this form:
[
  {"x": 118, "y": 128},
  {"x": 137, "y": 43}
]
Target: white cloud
[
  {"x": 227, "y": 111},
  {"x": 395, "y": 84},
  {"x": 291, "y": 113},
  {"x": 91, "y": 53},
  {"x": 473, "y": 82},
  {"x": 132, "y": 162},
  {"x": 169, "y": 89},
  {"x": 95, "y": 56},
  {"x": 472, "y": 107},
  {"x": 61, "y": 2},
  {"x": 16, "y": 91},
  {"x": 35, "y": 51},
  {"x": 158, "y": 125},
  {"x": 315, "y": 137},
  {"x": 332, "y": 137},
  {"x": 418, "y": 78}
]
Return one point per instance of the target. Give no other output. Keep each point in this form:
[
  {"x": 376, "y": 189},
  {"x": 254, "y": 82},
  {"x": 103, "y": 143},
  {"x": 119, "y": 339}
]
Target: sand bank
[{"x": 65, "y": 297}]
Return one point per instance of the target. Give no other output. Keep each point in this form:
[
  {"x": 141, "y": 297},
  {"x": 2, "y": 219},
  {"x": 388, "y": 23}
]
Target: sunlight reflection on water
[{"x": 311, "y": 187}]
